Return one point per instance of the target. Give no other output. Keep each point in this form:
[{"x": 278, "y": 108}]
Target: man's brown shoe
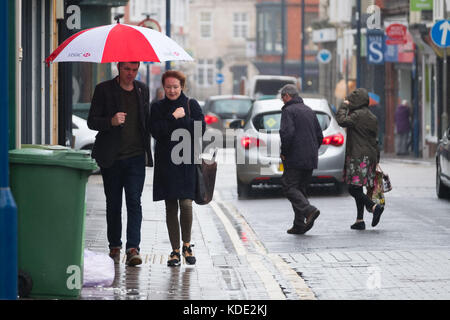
[
  {"x": 114, "y": 253},
  {"x": 133, "y": 257},
  {"x": 296, "y": 230},
  {"x": 310, "y": 219}
]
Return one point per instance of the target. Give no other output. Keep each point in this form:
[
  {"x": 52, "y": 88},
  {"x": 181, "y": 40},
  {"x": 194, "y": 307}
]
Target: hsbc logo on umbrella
[{"x": 77, "y": 54}]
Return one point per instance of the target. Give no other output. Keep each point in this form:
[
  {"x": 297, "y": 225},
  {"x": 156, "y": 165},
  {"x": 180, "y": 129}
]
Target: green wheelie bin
[{"x": 49, "y": 186}]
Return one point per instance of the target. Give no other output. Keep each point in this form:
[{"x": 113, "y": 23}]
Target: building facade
[
  {"x": 279, "y": 40},
  {"x": 222, "y": 42}
]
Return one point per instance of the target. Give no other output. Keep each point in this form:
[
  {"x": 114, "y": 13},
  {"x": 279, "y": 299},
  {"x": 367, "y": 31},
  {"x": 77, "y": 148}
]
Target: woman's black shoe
[
  {"x": 358, "y": 226},
  {"x": 189, "y": 258},
  {"x": 174, "y": 259},
  {"x": 377, "y": 214}
]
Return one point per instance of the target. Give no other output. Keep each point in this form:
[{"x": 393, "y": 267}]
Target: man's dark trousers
[
  {"x": 128, "y": 174},
  {"x": 294, "y": 183}
]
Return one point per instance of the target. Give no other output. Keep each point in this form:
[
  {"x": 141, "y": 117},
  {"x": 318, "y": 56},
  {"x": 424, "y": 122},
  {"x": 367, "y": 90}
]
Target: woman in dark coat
[
  {"x": 362, "y": 154},
  {"x": 174, "y": 177}
]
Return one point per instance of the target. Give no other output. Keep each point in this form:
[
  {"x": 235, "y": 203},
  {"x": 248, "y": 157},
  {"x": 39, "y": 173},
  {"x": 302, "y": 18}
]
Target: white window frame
[
  {"x": 240, "y": 24},
  {"x": 206, "y": 23},
  {"x": 205, "y": 72}
]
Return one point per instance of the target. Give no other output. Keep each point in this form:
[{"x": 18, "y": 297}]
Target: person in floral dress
[{"x": 361, "y": 154}]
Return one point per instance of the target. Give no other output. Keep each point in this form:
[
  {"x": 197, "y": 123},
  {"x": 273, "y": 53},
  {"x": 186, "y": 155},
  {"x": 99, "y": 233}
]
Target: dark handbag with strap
[{"x": 206, "y": 177}]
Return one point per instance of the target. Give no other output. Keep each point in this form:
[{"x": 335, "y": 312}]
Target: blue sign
[
  {"x": 440, "y": 33},
  {"x": 219, "y": 78},
  {"x": 375, "y": 47},
  {"x": 391, "y": 53},
  {"x": 324, "y": 56}
]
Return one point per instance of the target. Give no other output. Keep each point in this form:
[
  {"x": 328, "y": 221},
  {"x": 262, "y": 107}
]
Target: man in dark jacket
[
  {"x": 120, "y": 113},
  {"x": 301, "y": 137}
]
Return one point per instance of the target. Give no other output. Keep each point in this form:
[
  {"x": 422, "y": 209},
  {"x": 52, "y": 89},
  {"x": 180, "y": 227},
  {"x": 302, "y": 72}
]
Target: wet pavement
[
  {"x": 231, "y": 264},
  {"x": 244, "y": 252}
]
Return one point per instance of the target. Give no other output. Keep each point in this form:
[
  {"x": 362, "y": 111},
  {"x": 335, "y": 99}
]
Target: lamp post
[
  {"x": 283, "y": 37},
  {"x": 358, "y": 43},
  {"x": 168, "y": 21},
  {"x": 8, "y": 209},
  {"x": 302, "y": 66}
]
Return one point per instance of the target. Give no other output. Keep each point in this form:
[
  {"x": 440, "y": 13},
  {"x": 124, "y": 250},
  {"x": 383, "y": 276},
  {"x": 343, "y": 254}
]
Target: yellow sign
[{"x": 271, "y": 122}]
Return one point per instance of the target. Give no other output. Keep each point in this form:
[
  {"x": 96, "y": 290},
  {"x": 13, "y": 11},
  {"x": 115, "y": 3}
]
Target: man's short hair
[
  {"x": 291, "y": 90},
  {"x": 119, "y": 64}
]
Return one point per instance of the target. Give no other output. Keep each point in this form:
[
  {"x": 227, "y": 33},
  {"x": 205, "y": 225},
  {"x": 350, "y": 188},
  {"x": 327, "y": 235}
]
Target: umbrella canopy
[
  {"x": 374, "y": 99},
  {"x": 118, "y": 43}
]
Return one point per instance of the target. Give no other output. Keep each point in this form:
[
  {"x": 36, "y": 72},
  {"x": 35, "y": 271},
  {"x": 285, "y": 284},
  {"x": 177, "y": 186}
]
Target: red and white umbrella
[{"x": 118, "y": 43}]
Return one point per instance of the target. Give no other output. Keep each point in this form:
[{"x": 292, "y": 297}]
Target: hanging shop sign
[{"x": 396, "y": 34}]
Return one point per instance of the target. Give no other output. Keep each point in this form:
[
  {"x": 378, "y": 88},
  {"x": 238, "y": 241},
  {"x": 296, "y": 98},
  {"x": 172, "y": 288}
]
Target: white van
[{"x": 267, "y": 86}]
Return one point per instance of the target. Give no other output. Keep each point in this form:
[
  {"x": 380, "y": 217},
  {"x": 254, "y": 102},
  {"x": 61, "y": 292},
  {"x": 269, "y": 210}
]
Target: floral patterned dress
[{"x": 360, "y": 171}]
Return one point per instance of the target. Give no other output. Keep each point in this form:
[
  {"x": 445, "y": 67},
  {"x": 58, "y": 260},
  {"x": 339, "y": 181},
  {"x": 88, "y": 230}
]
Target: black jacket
[
  {"x": 174, "y": 180},
  {"x": 301, "y": 135},
  {"x": 105, "y": 104}
]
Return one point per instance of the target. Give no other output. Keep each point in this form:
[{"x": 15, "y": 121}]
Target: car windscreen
[
  {"x": 229, "y": 107},
  {"x": 271, "y": 121},
  {"x": 269, "y": 87}
]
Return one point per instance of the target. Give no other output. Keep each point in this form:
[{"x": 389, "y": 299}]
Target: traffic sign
[
  {"x": 440, "y": 33},
  {"x": 324, "y": 56},
  {"x": 219, "y": 78}
]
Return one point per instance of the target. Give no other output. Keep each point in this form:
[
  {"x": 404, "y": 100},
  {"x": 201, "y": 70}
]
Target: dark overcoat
[
  {"x": 362, "y": 126},
  {"x": 301, "y": 135},
  {"x": 174, "y": 176},
  {"x": 105, "y": 104}
]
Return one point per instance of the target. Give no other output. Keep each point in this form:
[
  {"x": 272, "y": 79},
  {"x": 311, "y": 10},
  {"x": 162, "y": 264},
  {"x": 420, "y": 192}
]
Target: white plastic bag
[{"x": 98, "y": 269}]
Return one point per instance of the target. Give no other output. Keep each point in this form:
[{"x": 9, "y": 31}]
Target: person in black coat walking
[
  {"x": 120, "y": 113},
  {"x": 177, "y": 124},
  {"x": 301, "y": 137}
]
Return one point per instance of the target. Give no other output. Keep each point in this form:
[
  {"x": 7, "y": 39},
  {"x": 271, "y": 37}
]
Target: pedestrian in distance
[
  {"x": 361, "y": 153},
  {"x": 159, "y": 95},
  {"x": 120, "y": 113},
  {"x": 301, "y": 137},
  {"x": 402, "y": 127},
  {"x": 174, "y": 181}
]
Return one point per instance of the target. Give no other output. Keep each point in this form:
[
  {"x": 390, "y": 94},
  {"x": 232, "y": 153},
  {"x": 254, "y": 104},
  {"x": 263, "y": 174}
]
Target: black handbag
[
  {"x": 206, "y": 179},
  {"x": 205, "y": 176}
]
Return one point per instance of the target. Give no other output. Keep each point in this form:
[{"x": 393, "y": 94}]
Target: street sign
[
  {"x": 151, "y": 24},
  {"x": 396, "y": 34},
  {"x": 219, "y": 63},
  {"x": 219, "y": 78},
  {"x": 324, "y": 56},
  {"x": 419, "y": 5},
  {"x": 440, "y": 33},
  {"x": 375, "y": 47}
]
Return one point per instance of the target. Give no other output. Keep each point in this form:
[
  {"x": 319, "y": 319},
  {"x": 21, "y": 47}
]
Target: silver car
[{"x": 258, "y": 146}]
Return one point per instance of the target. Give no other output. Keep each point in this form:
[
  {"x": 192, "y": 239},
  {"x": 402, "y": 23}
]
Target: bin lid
[{"x": 53, "y": 155}]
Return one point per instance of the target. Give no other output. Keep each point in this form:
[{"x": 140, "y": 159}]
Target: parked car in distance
[
  {"x": 84, "y": 137},
  {"x": 443, "y": 166},
  {"x": 219, "y": 111},
  {"x": 258, "y": 146},
  {"x": 261, "y": 87}
]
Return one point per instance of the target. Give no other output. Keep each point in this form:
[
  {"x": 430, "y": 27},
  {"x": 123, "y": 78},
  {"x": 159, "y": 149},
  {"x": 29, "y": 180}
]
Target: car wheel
[
  {"x": 442, "y": 191},
  {"x": 243, "y": 190}
]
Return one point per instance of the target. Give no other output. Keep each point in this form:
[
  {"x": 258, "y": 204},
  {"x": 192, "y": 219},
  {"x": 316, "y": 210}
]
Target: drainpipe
[{"x": 8, "y": 209}]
